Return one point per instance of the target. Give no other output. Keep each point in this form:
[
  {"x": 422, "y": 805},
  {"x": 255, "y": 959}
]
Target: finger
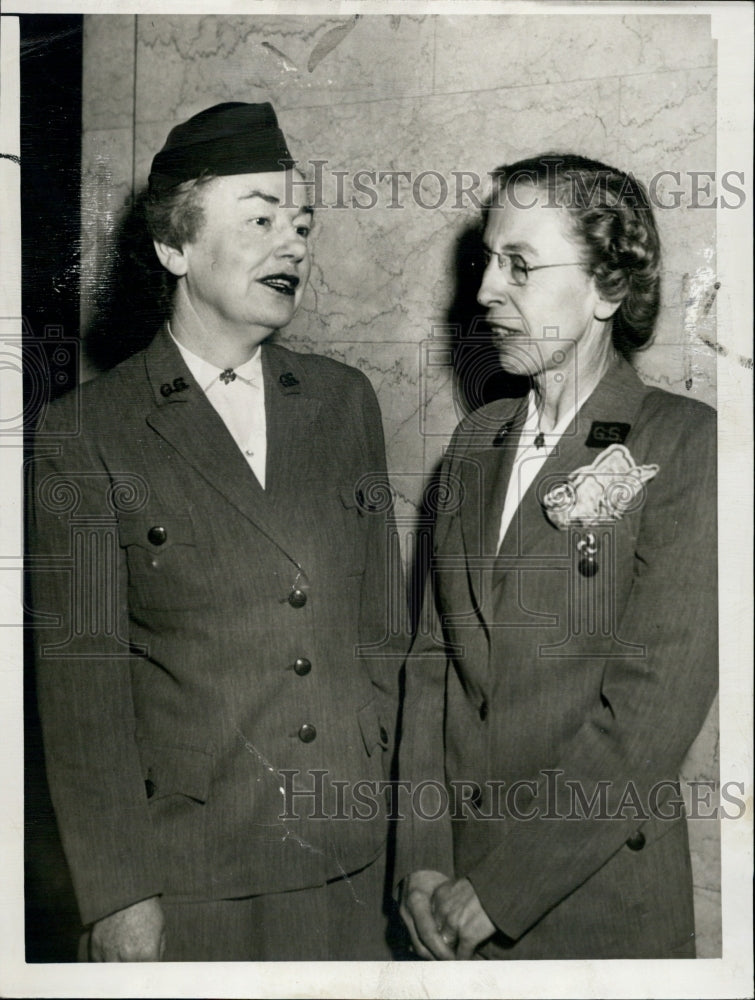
[
  {"x": 465, "y": 948},
  {"x": 471, "y": 936},
  {"x": 417, "y": 945},
  {"x": 440, "y": 904},
  {"x": 430, "y": 935},
  {"x": 441, "y": 907},
  {"x": 450, "y": 939}
]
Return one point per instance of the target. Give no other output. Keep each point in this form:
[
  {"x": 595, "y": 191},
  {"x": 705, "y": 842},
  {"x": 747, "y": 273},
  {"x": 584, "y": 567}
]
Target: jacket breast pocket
[{"x": 164, "y": 568}]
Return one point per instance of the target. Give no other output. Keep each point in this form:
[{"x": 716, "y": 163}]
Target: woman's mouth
[
  {"x": 283, "y": 283},
  {"x": 502, "y": 331}
]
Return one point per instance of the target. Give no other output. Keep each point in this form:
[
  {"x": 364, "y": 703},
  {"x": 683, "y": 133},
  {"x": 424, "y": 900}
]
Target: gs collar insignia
[
  {"x": 168, "y": 388},
  {"x": 605, "y": 432},
  {"x": 287, "y": 380}
]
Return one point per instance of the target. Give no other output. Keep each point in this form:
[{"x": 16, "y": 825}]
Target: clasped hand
[
  {"x": 133, "y": 934},
  {"x": 444, "y": 916}
]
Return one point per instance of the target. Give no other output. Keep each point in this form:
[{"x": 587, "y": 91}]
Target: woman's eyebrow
[
  {"x": 271, "y": 198},
  {"x": 520, "y": 247}
]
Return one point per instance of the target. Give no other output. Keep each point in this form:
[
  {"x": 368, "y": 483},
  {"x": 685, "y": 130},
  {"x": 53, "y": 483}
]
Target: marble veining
[{"x": 449, "y": 96}]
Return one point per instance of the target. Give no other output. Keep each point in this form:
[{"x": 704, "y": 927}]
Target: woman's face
[{"x": 557, "y": 318}]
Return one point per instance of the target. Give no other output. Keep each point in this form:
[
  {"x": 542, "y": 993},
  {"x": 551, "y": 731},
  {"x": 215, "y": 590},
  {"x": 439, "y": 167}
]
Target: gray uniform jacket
[
  {"x": 206, "y": 648},
  {"x": 540, "y": 682}
]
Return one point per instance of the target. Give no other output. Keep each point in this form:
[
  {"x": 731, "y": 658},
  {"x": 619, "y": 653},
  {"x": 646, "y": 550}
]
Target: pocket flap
[
  {"x": 348, "y": 496},
  {"x": 171, "y": 770},
  {"x": 374, "y": 732}
]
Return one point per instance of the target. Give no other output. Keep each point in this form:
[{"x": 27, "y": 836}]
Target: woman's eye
[
  {"x": 303, "y": 231},
  {"x": 261, "y": 220},
  {"x": 519, "y": 264}
]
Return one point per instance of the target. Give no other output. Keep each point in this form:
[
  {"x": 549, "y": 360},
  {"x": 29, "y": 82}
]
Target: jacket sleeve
[
  {"x": 382, "y": 628},
  {"x": 650, "y": 708},
  {"x": 425, "y": 843},
  {"x": 82, "y": 658}
]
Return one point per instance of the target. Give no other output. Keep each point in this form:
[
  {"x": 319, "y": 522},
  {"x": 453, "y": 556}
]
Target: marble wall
[{"x": 451, "y": 97}]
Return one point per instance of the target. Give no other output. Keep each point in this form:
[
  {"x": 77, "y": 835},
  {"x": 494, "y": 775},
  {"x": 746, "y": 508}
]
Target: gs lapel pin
[
  {"x": 177, "y": 385},
  {"x": 607, "y": 432}
]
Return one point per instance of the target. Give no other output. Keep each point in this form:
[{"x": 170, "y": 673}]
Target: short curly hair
[
  {"x": 612, "y": 221},
  {"x": 176, "y": 216}
]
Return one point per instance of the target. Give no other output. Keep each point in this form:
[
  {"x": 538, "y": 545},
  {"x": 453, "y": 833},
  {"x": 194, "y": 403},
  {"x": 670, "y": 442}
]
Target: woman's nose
[
  {"x": 293, "y": 245},
  {"x": 493, "y": 286}
]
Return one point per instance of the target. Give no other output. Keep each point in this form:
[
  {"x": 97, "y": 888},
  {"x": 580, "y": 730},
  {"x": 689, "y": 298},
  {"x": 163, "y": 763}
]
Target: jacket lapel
[
  {"x": 616, "y": 400},
  {"x": 490, "y": 455},
  {"x": 291, "y": 412},
  {"x": 183, "y": 416}
]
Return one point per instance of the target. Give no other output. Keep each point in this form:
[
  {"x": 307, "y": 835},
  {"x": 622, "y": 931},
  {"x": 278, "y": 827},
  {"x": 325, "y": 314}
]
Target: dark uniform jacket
[
  {"x": 207, "y": 648},
  {"x": 559, "y": 683}
]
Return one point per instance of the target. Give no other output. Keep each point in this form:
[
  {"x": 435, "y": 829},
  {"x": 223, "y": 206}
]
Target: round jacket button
[
  {"x": 307, "y": 733},
  {"x": 637, "y": 841},
  {"x": 297, "y": 598},
  {"x": 302, "y": 666},
  {"x": 157, "y": 535}
]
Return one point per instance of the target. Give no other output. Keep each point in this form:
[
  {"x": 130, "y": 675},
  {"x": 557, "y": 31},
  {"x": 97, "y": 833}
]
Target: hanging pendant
[{"x": 588, "y": 548}]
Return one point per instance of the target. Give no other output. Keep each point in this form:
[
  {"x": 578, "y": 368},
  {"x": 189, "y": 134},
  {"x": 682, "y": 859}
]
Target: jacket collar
[
  {"x": 184, "y": 418},
  {"x": 491, "y": 436},
  {"x": 616, "y": 399}
]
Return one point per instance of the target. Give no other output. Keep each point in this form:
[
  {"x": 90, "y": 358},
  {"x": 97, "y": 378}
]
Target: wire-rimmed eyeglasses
[{"x": 518, "y": 268}]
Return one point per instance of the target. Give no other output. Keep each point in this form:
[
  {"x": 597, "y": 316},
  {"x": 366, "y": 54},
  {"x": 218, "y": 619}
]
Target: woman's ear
[
  {"x": 172, "y": 259},
  {"x": 604, "y": 309}
]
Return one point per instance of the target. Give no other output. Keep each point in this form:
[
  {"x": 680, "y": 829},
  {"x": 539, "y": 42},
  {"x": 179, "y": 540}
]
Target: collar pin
[{"x": 502, "y": 432}]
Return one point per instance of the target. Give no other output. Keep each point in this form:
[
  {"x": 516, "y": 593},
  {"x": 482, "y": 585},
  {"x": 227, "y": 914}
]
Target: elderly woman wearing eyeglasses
[{"x": 571, "y": 654}]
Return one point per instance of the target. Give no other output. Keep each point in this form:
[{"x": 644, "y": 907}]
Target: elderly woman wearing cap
[
  {"x": 575, "y": 580},
  {"x": 214, "y": 520}
]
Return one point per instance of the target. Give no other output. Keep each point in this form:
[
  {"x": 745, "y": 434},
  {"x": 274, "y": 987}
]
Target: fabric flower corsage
[{"x": 600, "y": 493}]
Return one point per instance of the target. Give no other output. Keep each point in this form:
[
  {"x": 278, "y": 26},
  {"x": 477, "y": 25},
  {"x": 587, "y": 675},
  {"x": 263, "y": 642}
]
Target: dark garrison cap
[{"x": 233, "y": 138}]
